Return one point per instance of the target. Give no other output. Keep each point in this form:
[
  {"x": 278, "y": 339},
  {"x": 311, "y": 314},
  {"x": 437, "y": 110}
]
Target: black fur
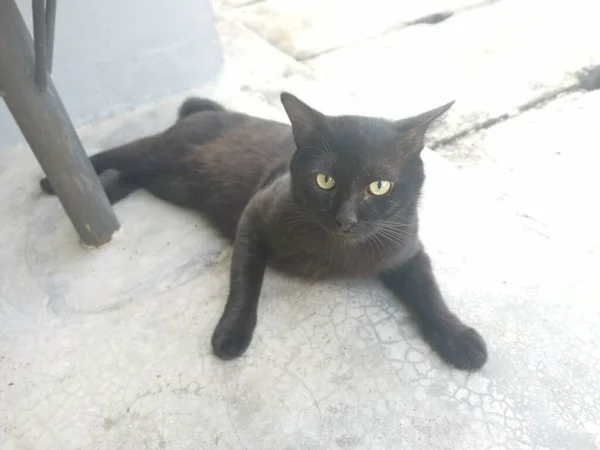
[{"x": 303, "y": 199}]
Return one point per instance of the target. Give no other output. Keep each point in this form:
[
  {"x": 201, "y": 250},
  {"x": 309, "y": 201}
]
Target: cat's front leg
[
  {"x": 233, "y": 333},
  {"x": 415, "y": 285}
]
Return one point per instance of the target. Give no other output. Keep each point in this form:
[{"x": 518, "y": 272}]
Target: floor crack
[
  {"x": 588, "y": 79},
  {"x": 488, "y": 123},
  {"x": 429, "y": 19}
]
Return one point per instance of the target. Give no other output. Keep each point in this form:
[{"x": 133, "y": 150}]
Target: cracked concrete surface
[{"x": 109, "y": 349}]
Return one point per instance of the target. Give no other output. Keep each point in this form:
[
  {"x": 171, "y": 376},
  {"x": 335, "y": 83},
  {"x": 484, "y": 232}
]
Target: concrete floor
[{"x": 109, "y": 349}]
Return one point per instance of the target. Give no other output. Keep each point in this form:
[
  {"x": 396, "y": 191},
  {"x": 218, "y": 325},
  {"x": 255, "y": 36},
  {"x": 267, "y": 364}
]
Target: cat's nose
[{"x": 346, "y": 221}]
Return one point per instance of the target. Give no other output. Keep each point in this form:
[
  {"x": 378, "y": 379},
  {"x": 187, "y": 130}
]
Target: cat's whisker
[
  {"x": 394, "y": 233},
  {"x": 393, "y": 238},
  {"x": 375, "y": 244},
  {"x": 402, "y": 228},
  {"x": 393, "y": 230},
  {"x": 397, "y": 223}
]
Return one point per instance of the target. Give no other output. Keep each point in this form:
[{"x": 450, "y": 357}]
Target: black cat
[{"x": 332, "y": 196}]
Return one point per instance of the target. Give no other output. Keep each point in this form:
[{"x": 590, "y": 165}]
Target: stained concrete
[
  {"x": 312, "y": 27},
  {"x": 109, "y": 349},
  {"x": 492, "y": 60}
]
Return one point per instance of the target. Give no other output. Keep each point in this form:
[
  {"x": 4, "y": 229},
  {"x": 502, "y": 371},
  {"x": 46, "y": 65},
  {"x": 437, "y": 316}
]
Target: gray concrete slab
[
  {"x": 491, "y": 60},
  {"x": 544, "y": 163},
  {"x": 110, "y": 349}
]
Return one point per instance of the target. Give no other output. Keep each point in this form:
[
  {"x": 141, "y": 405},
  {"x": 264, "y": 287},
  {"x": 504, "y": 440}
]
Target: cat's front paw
[
  {"x": 231, "y": 338},
  {"x": 460, "y": 346}
]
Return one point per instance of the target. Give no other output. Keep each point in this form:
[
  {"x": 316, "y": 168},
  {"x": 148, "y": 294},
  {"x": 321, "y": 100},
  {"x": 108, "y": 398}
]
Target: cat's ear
[
  {"x": 306, "y": 121},
  {"x": 413, "y": 129}
]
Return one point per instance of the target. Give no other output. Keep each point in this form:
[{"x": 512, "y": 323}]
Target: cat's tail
[{"x": 194, "y": 104}]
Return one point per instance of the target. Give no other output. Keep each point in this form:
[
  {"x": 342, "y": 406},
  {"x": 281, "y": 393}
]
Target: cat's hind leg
[
  {"x": 117, "y": 187},
  {"x": 129, "y": 159}
]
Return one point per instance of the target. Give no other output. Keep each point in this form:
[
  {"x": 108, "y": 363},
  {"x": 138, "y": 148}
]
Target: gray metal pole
[
  {"x": 50, "y": 22},
  {"x": 45, "y": 124},
  {"x": 40, "y": 38}
]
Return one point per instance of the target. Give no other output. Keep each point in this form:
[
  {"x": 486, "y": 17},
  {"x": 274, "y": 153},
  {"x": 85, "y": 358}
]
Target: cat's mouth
[
  {"x": 347, "y": 235},
  {"x": 358, "y": 233}
]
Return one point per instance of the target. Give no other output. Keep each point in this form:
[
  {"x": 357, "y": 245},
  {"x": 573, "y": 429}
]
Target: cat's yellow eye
[
  {"x": 379, "y": 187},
  {"x": 324, "y": 181}
]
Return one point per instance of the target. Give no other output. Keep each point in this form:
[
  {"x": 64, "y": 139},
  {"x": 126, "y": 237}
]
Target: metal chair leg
[{"x": 47, "y": 128}]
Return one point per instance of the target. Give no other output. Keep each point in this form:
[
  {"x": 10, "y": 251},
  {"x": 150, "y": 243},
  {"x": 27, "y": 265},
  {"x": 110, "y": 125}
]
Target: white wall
[{"x": 113, "y": 54}]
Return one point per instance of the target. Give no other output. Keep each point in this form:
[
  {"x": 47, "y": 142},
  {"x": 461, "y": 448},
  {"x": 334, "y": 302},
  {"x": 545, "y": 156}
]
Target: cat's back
[
  {"x": 214, "y": 161},
  {"x": 227, "y": 143}
]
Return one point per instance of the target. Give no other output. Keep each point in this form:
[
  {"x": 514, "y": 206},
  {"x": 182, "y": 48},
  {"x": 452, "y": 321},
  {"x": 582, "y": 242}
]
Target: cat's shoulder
[{"x": 272, "y": 198}]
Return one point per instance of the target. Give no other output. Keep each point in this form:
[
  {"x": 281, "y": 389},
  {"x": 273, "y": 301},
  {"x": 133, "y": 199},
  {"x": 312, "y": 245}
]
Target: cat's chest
[{"x": 314, "y": 256}]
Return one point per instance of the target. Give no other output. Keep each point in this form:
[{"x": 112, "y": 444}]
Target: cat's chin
[
  {"x": 334, "y": 232},
  {"x": 347, "y": 236},
  {"x": 352, "y": 236}
]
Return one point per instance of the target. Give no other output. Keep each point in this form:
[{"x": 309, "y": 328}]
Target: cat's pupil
[{"x": 379, "y": 184}]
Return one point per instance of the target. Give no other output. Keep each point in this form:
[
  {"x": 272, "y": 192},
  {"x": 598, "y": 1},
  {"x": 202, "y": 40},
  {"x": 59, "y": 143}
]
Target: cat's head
[{"x": 357, "y": 173}]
